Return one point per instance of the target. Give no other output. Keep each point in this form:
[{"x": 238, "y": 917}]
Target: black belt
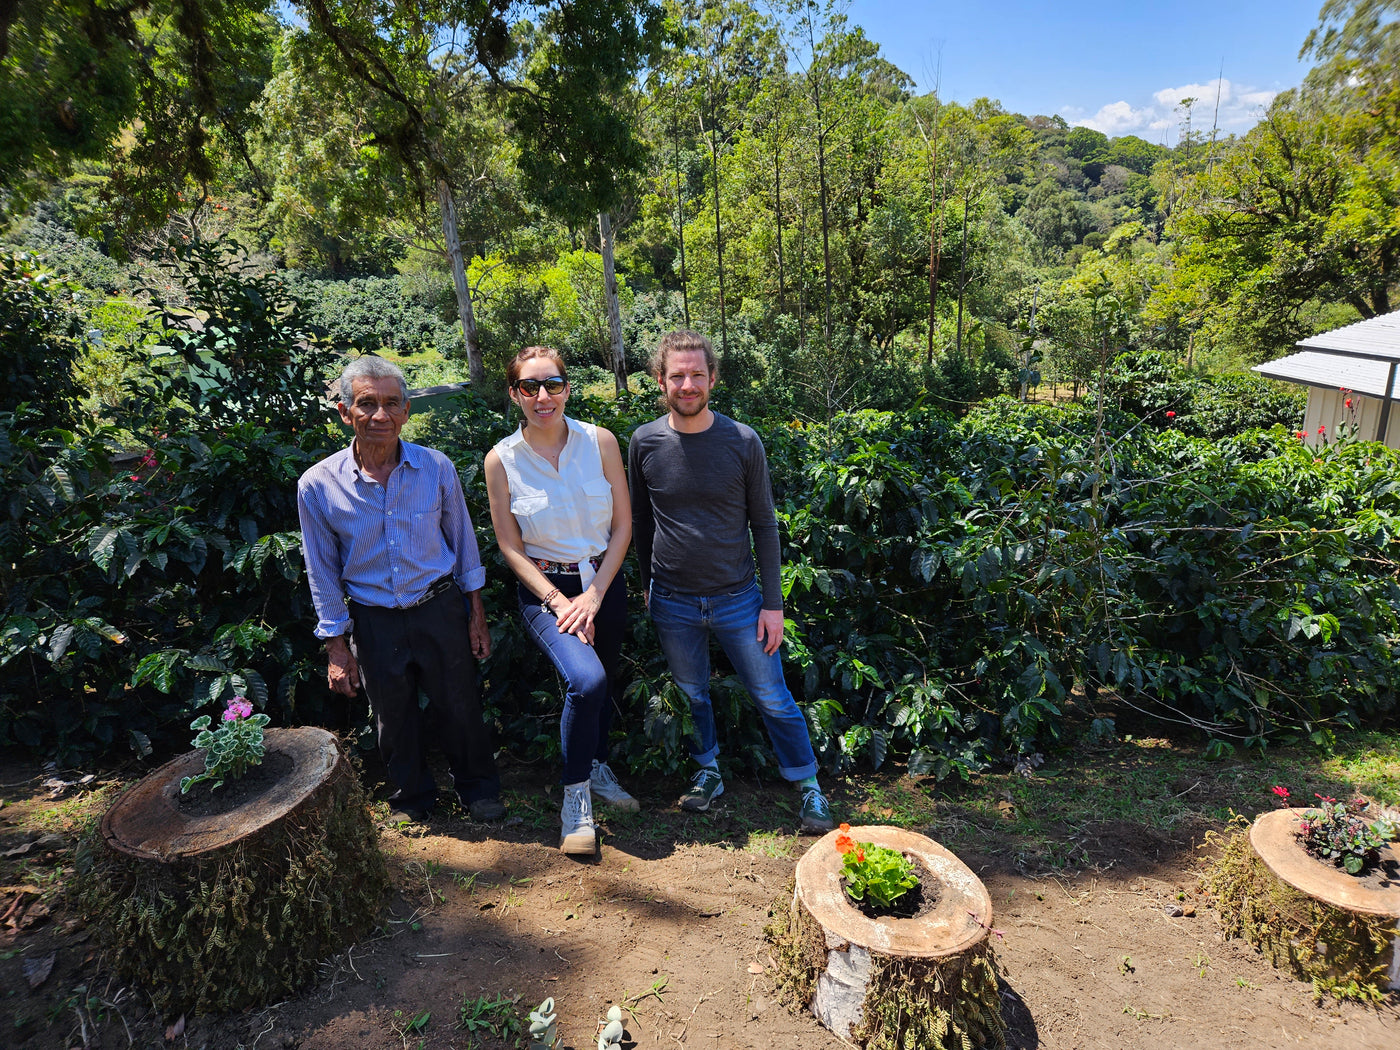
[{"x": 439, "y": 587}]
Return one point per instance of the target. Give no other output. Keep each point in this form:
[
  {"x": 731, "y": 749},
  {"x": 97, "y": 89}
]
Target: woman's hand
[{"x": 575, "y": 615}]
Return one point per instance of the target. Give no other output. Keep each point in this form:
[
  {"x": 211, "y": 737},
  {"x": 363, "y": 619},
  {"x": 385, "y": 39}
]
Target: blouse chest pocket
[
  {"x": 529, "y": 512},
  {"x": 597, "y": 494}
]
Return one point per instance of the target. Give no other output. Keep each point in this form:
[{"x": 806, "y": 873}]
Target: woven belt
[
  {"x": 567, "y": 567},
  {"x": 441, "y": 586}
]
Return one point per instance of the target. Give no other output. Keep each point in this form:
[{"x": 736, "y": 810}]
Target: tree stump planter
[
  {"x": 882, "y": 983},
  {"x": 231, "y": 900},
  {"x": 1340, "y": 931}
]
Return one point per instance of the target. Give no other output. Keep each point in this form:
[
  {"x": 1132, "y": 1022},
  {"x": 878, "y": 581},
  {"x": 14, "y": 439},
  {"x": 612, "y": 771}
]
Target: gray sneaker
[
  {"x": 705, "y": 786},
  {"x": 577, "y": 832},
  {"x": 816, "y": 813},
  {"x": 605, "y": 788}
]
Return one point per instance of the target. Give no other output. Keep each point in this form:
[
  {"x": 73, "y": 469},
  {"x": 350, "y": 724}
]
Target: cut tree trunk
[
  {"x": 1274, "y": 839},
  {"x": 927, "y": 981},
  {"x": 229, "y": 898}
]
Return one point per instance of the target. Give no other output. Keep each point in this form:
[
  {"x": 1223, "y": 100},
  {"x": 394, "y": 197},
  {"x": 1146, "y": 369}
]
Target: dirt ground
[{"x": 669, "y": 922}]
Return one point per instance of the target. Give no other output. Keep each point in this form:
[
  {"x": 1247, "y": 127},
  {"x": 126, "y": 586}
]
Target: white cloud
[
  {"x": 1117, "y": 118},
  {"x": 1240, "y": 108}
]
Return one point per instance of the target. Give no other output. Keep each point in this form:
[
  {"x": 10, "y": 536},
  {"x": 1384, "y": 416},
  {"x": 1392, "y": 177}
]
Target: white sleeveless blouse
[{"x": 564, "y": 515}]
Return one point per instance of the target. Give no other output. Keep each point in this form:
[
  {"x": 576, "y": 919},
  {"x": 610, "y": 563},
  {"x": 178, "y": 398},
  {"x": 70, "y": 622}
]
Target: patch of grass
[
  {"x": 1369, "y": 761},
  {"x": 497, "y": 1017},
  {"x": 770, "y": 843}
]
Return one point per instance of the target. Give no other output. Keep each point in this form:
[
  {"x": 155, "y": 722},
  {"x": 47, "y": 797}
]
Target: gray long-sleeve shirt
[{"x": 696, "y": 498}]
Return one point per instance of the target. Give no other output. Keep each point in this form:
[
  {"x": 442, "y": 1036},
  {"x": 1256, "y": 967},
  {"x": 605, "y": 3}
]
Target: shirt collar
[{"x": 410, "y": 455}]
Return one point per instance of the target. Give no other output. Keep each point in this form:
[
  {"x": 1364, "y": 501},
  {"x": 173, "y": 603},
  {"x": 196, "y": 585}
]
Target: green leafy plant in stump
[
  {"x": 1333, "y": 832},
  {"x": 232, "y": 747},
  {"x": 875, "y": 873}
]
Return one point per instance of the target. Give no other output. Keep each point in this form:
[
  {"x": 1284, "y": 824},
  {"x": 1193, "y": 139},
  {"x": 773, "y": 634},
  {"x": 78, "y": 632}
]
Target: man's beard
[{"x": 691, "y": 408}]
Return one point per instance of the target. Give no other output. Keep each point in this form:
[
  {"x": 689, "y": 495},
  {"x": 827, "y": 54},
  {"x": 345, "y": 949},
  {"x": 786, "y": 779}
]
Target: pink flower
[
  {"x": 1322, "y": 429},
  {"x": 238, "y": 708},
  {"x": 1280, "y": 791},
  {"x": 1171, "y": 415}
]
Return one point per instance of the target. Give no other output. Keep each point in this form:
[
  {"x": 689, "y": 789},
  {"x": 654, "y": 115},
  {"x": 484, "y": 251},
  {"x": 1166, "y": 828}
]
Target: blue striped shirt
[{"x": 383, "y": 545}]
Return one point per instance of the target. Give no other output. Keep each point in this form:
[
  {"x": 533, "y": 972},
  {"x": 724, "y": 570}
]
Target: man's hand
[
  {"x": 477, "y": 631},
  {"x": 342, "y": 671},
  {"x": 770, "y": 629}
]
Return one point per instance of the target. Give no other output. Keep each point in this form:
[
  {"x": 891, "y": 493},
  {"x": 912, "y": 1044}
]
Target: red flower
[
  {"x": 1348, "y": 402},
  {"x": 1325, "y": 798},
  {"x": 1322, "y": 429},
  {"x": 1301, "y": 435},
  {"x": 1280, "y": 791},
  {"x": 1171, "y": 415},
  {"x": 860, "y": 855}
]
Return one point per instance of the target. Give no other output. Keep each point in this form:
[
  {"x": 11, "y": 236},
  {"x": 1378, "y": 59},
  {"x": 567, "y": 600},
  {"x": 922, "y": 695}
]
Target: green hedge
[{"x": 950, "y": 581}]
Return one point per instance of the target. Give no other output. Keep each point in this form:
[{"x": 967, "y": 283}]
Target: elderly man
[{"x": 390, "y": 553}]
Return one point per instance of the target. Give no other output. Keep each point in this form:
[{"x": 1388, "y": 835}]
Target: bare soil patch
[{"x": 669, "y": 922}]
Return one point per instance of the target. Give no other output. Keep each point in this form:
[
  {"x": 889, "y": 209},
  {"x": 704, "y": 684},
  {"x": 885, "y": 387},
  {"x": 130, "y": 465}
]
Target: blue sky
[{"x": 1118, "y": 67}]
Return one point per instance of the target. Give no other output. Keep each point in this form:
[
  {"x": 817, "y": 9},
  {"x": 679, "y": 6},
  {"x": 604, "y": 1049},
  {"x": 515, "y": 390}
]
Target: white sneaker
[
  {"x": 605, "y": 788},
  {"x": 579, "y": 834}
]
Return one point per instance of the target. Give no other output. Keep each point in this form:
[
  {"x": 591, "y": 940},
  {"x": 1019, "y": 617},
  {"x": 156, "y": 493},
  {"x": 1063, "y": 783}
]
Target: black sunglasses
[{"x": 531, "y": 387}]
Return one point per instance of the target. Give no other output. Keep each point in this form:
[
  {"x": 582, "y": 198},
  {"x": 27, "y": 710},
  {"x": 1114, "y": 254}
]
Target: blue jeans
[
  {"x": 684, "y": 623},
  {"x": 590, "y": 672}
]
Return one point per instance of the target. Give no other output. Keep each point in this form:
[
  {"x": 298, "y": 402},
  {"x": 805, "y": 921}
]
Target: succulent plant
[{"x": 543, "y": 1026}]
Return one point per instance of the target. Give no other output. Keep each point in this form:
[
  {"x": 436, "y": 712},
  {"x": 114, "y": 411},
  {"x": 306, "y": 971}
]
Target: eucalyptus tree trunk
[
  {"x": 680, "y": 218},
  {"x": 962, "y": 276},
  {"x": 778, "y": 216},
  {"x": 935, "y": 228},
  {"x": 826, "y": 221},
  {"x": 448, "y": 208},
  {"x": 719, "y": 234},
  {"x": 619, "y": 358}
]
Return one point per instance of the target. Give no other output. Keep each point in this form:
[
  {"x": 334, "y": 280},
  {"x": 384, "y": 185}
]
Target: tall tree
[{"x": 552, "y": 66}]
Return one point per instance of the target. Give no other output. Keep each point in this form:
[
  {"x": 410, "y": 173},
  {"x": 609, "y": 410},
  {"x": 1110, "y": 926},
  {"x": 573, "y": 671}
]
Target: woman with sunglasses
[{"x": 563, "y": 520}]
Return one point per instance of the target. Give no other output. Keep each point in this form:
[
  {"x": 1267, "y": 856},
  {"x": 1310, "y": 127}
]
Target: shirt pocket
[
  {"x": 424, "y": 519},
  {"x": 598, "y": 502},
  {"x": 531, "y": 512},
  {"x": 425, "y": 540}
]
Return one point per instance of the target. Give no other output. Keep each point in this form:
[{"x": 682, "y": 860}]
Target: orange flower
[
  {"x": 844, "y": 844},
  {"x": 845, "y": 827}
]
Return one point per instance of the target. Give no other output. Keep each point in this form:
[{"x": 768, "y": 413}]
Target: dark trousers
[
  {"x": 427, "y": 647},
  {"x": 590, "y": 672}
]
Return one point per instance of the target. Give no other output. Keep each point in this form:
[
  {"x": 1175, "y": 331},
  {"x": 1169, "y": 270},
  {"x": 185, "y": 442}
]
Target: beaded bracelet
[{"x": 551, "y": 595}]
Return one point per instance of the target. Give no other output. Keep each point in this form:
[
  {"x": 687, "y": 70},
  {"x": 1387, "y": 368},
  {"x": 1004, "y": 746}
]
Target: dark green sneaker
[
  {"x": 816, "y": 813},
  {"x": 705, "y": 786}
]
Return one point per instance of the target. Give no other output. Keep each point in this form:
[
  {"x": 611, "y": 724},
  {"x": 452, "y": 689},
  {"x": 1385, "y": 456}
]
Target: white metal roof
[
  {"x": 1377, "y": 338},
  {"x": 1313, "y": 368}
]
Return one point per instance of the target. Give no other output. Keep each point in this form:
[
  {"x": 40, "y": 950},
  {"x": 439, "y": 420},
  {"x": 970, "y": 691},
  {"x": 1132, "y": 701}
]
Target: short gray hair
[{"x": 369, "y": 367}]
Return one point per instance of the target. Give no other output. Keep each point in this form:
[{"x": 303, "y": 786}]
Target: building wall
[{"x": 1327, "y": 408}]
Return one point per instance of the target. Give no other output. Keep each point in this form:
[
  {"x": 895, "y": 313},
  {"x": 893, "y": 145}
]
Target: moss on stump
[{"x": 225, "y": 926}]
